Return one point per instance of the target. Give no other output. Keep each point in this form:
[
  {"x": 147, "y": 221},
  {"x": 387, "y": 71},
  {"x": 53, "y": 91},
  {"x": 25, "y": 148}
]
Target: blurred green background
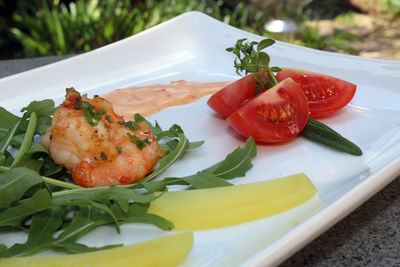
[{"x": 59, "y": 27}]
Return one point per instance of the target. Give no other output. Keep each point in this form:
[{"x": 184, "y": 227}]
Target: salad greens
[
  {"x": 251, "y": 59},
  {"x": 55, "y": 213}
]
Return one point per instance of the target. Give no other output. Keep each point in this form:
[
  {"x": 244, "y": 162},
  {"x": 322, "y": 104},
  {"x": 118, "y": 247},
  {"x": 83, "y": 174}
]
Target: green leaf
[
  {"x": 137, "y": 213},
  {"x": 170, "y": 158},
  {"x": 2, "y": 159},
  {"x": 27, "y": 139},
  {"x": 44, "y": 109},
  {"x": 154, "y": 186},
  {"x": 276, "y": 69},
  {"x": 153, "y": 219},
  {"x": 41, "y": 108},
  {"x": 40, "y": 235},
  {"x": 205, "y": 179},
  {"x": 3, "y": 250},
  {"x": 13, "y": 216},
  {"x": 237, "y": 163},
  {"x": 264, "y": 58},
  {"x": 4, "y": 143},
  {"x": 101, "y": 198},
  {"x": 9, "y": 159},
  {"x": 14, "y": 183},
  {"x": 84, "y": 219},
  {"x": 17, "y": 140},
  {"x": 139, "y": 118},
  {"x": 249, "y": 60},
  {"x": 49, "y": 168},
  {"x": 264, "y": 44},
  {"x": 194, "y": 145},
  {"x": 7, "y": 119}
]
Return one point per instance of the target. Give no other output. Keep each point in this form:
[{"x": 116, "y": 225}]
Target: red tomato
[
  {"x": 233, "y": 96},
  {"x": 325, "y": 94},
  {"x": 274, "y": 116}
]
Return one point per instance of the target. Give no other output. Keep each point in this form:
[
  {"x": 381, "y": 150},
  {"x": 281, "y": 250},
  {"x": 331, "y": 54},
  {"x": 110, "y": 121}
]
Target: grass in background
[{"x": 54, "y": 27}]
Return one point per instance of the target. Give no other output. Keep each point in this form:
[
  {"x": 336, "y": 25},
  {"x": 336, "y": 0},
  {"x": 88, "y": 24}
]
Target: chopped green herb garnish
[
  {"x": 91, "y": 115},
  {"x": 119, "y": 149},
  {"x": 140, "y": 143},
  {"x": 131, "y": 125},
  {"x": 79, "y": 104},
  {"x": 67, "y": 90},
  {"x": 108, "y": 119},
  {"x": 103, "y": 156}
]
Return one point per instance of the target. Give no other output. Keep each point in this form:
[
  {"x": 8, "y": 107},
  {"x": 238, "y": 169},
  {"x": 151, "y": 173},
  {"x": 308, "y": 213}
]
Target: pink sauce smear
[{"x": 150, "y": 99}]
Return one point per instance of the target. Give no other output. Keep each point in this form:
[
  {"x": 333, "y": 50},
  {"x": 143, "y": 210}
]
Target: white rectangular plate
[{"x": 192, "y": 47}]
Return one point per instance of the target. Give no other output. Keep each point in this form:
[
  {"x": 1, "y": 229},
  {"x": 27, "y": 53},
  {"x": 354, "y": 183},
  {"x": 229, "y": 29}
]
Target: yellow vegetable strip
[
  {"x": 165, "y": 251},
  {"x": 225, "y": 206}
]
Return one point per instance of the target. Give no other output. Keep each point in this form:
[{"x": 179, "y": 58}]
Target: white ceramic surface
[{"x": 192, "y": 47}]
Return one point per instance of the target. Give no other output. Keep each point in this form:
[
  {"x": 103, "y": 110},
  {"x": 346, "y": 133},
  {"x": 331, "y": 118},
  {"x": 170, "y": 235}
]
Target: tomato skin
[
  {"x": 274, "y": 116},
  {"x": 233, "y": 96},
  {"x": 325, "y": 94}
]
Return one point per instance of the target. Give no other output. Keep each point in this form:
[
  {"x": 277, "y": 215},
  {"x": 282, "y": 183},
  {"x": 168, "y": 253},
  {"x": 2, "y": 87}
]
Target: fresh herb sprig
[{"x": 251, "y": 59}]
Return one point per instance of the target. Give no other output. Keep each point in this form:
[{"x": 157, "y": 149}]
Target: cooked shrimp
[{"x": 96, "y": 145}]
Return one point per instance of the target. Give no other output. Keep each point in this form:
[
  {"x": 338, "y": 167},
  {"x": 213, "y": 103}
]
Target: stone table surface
[{"x": 369, "y": 236}]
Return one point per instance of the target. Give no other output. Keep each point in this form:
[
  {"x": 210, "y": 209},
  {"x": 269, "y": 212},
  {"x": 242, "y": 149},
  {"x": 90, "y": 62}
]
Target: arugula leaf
[
  {"x": 84, "y": 219},
  {"x": 49, "y": 168},
  {"x": 44, "y": 109},
  {"x": 14, "y": 184},
  {"x": 195, "y": 144},
  {"x": 170, "y": 158},
  {"x": 88, "y": 218},
  {"x": 237, "y": 163},
  {"x": 20, "y": 132},
  {"x": 13, "y": 216},
  {"x": 152, "y": 219},
  {"x": 30, "y": 131},
  {"x": 7, "y": 119},
  {"x": 175, "y": 131},
  {"x": 137, "y": 213},
  {"x": 120, "y": 195},
  {"x": 40, "y": 234},
  {"x": 3, "y": 250},
  {"x": 41, "y": 108},
  {"x": 7, "y": 139},
  {"x": 203, "y": 179}
]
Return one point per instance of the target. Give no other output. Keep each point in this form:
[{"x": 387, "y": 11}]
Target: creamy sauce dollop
[{"x": 150, "y": 99}]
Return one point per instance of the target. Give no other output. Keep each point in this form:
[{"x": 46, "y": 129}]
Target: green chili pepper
[{"x": 321, "y": 133}]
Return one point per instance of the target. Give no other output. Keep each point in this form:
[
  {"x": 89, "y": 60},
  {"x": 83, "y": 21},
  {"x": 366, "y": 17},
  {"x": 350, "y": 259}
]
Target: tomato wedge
[
  {"x": 233, "y": 96},
  {"x": 325, "y": 94},
  {"x": 276, "y": 115}
]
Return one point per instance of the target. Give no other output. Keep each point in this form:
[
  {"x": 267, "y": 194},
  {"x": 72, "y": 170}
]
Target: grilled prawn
[{"x": 96, "y": 146}]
